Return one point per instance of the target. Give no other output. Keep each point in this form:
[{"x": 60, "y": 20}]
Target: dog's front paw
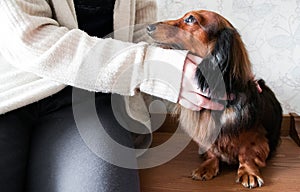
[
  {"x": 205, "y": 173},
  {"x": 207, "y": 170},
  {"x": 249, "y": 177}
]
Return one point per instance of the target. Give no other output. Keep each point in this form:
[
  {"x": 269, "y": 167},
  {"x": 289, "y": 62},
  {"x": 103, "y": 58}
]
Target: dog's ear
[
  {"x": 224, "y": 66},
  {"x": 210, "y": 72}
]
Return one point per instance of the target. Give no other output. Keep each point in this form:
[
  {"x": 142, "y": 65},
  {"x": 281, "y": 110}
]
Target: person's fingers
[
  {"x": 189, "y": 81},
  {"x": 213, "y": 105},
  {"x": 201, "y": 101},
  {"x": 189, "y": 68},
  {"x": 191, "y": 96},
  {"x": 195, "y": 59},
  {"x": 185, "y": 103}
]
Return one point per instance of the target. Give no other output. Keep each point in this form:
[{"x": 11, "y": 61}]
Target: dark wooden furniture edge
[{"x": 295, "y": 128}]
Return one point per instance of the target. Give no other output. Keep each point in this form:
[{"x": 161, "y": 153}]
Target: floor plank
[{"x": 281, "y": 174}]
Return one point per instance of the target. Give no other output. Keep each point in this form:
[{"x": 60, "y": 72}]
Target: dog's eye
[{"x": 190, "y": 20}]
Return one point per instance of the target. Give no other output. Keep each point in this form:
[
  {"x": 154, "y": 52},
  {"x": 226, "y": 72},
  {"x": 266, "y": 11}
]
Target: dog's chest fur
[
  {"x": 206, "y": 132},
  {"x": 209, "y": 134}
]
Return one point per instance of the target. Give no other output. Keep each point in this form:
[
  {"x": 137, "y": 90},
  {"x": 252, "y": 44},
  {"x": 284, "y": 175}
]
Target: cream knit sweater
[{"x": 42, "y": 50}]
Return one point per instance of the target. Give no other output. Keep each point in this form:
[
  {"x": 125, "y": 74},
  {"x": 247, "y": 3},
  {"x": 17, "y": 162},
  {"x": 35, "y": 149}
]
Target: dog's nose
[{"x": 151, "y": 28}]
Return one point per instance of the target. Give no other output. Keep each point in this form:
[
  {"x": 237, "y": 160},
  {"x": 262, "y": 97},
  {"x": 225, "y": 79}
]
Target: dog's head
[{"x": 210, "y": 36}]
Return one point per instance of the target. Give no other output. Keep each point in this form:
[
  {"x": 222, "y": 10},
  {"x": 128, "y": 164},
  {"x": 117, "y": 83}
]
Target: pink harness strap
[{"x": 259, "y": 89}]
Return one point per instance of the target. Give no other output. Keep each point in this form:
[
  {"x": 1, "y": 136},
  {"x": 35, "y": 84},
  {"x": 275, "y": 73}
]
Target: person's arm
[{"x": 32, "y": 41}]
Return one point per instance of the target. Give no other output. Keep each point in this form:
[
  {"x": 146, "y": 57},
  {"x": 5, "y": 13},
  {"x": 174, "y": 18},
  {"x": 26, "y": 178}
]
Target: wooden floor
[{"x": 281, "y": 174}]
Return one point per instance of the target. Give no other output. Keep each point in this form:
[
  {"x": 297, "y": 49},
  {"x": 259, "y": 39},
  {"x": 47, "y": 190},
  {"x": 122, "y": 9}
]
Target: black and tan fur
[{"x": 247, "y": 131}]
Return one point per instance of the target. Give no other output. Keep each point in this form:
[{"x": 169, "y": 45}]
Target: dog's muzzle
[{"x": 151, "y": 28}]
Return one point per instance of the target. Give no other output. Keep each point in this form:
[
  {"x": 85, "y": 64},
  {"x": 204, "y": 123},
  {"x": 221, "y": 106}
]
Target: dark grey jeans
[{"x": 41, "y": 150}]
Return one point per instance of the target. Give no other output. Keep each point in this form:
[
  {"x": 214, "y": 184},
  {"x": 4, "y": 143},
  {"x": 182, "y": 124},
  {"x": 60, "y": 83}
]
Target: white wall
[{"x": 271, "y": 32}]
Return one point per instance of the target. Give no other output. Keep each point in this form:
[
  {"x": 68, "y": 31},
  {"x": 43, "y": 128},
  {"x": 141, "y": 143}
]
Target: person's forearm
[{"x": 34, "y": 42}]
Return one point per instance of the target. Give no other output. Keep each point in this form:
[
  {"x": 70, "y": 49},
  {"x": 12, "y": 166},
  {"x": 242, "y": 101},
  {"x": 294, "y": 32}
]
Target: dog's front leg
[
  {"x": 252, "y": 156},
  {"x": 208, "y": 169}
]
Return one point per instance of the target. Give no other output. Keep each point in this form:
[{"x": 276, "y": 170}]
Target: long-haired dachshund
[{"x": 247, "y": 131}]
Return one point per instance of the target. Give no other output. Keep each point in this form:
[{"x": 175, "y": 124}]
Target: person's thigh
[
  {"x": 15, "y": 129},
  {"x": 60, "y": 160}
]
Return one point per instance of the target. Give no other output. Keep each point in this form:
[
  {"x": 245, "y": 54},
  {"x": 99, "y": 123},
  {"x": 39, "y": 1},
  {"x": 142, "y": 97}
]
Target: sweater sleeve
[{"x": 32, "y": 41}]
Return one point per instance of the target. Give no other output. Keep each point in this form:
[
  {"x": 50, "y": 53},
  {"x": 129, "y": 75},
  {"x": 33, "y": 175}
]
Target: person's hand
[{"x": 190, "y": 95}]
